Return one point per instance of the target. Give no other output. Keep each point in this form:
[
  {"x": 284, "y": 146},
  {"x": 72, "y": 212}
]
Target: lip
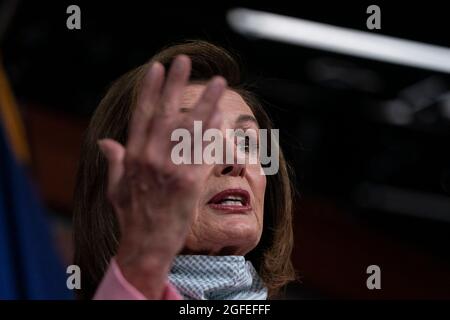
[{"x": 212, "y": 203}]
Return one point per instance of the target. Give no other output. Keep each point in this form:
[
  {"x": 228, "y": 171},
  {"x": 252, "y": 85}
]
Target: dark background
[{"x": 370, "y": 191}]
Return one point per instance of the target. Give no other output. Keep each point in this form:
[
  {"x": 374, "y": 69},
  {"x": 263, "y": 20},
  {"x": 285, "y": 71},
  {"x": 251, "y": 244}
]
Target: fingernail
[
  {"x": 154, "y": 67},
  {"x": 178, "y": 64},
  {"x": 217, "y": 84},
  {"x": 100, "y": 144}
]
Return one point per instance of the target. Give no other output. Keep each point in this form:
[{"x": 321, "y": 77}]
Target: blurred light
[
  {"x": 423, "y": 94},
  {"x": 337, "y": 39},
  {"x": 398, "y": 112},
  {"x": 342, "y": 74}
]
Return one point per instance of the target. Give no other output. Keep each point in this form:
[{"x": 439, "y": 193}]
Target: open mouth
[{"x": 237, "y": 200}]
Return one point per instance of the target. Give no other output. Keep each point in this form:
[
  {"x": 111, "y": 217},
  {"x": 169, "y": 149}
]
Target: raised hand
[{"x": 153, "y": 198}]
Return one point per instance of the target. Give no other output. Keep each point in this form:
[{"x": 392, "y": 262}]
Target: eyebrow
[{"x": 246, "y": 118}]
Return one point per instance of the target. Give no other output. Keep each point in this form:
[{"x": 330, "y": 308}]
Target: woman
[{"x": 146, "y": 228}]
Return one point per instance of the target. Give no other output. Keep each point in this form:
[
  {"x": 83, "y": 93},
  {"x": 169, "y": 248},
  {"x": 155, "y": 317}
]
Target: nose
[
  {"x": 233, "y": 163},
  {"x": 233, "y": 170}
]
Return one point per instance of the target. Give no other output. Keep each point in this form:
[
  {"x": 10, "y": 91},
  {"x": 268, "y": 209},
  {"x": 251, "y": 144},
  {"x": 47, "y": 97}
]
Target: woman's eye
[{"x": 247, "y": 144}]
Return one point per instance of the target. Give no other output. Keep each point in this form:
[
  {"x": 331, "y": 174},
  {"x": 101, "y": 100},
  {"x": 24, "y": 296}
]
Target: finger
[
  {"x": 215, "y": 121},
  {"x": 208, "y": 104},
  {"x": 176, "y": 81},
  {"x": 161, "y": 124},
  {"x": 207, "y": 109},
  {"x": 114, "y": 153},
  {"x": 147, "y": 100}
]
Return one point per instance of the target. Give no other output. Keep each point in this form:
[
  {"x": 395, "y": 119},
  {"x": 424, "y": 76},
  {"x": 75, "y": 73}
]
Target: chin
[{"x": 242, "y": 234}]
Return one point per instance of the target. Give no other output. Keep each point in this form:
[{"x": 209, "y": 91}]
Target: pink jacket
[{"x": 114, "y": 286}]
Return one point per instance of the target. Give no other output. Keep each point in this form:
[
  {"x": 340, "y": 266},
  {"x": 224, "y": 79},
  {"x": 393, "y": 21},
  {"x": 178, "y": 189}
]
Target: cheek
[
  {"x": 198, "y": 232},
  {"x": 259, "y": 186},
  {"x": 203, "y": 221}
]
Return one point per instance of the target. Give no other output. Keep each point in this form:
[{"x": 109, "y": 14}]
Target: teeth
[
  {"x": 235, "y": 198},
  {"x": 231, "y": 202}
]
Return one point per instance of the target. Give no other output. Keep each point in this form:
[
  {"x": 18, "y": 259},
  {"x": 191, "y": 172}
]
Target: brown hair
[{"x": 96, "y": 231}]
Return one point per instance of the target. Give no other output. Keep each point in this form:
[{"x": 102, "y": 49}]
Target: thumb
[{"x": 114, "y": 153}]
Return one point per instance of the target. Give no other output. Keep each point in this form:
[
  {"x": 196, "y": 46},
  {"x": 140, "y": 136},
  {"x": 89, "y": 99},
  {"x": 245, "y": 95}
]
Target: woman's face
[{"x": 228, "y": 217}]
